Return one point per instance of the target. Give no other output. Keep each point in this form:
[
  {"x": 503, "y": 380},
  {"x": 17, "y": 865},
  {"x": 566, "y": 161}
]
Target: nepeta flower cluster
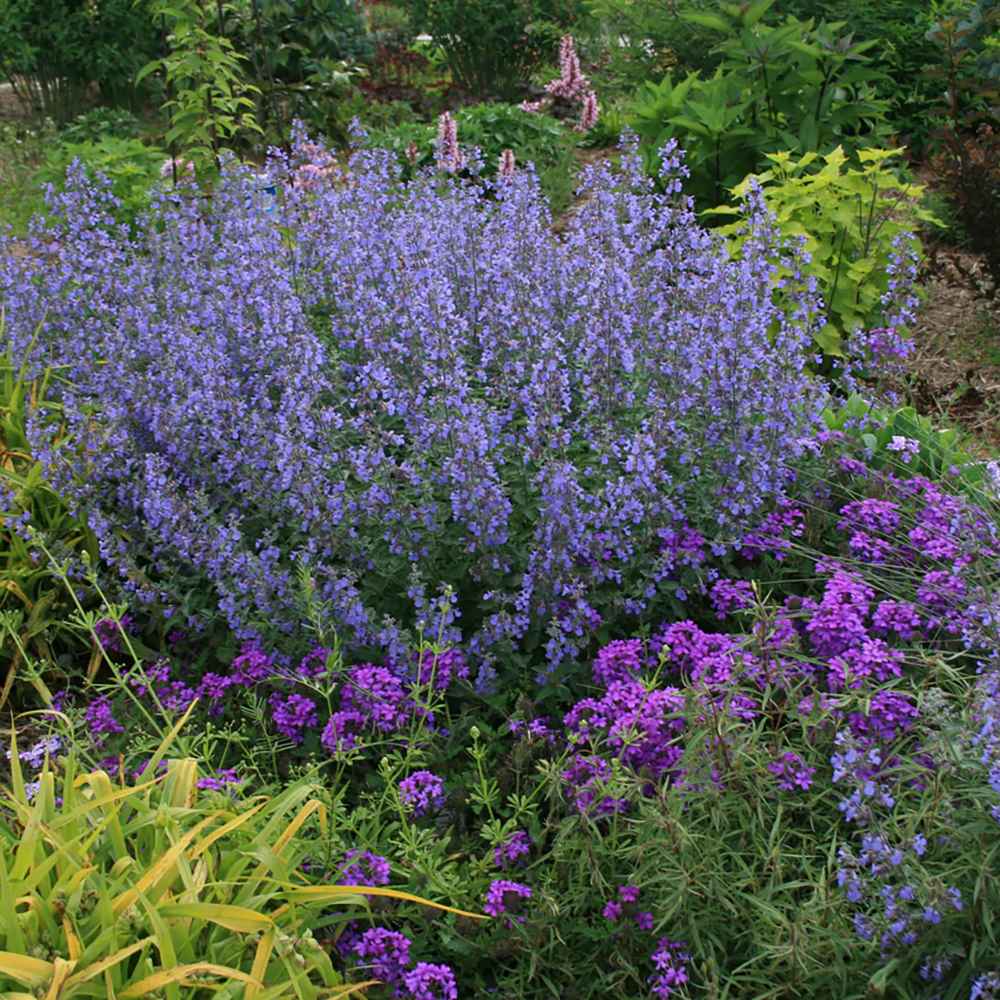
[
  {"x": 364, "y": 376},
  {"x": 891, "y": 905}
]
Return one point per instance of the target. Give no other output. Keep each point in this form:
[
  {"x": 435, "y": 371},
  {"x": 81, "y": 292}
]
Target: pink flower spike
[{"x": 507, "y": 164}]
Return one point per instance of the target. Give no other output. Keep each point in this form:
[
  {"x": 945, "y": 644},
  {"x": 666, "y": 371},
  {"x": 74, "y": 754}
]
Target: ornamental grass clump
[{"x": 396, "y": 388}]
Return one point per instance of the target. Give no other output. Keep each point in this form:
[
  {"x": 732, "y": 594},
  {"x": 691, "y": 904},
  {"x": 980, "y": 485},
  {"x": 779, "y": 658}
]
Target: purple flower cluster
[
  {"x": 368, "y": 376},
  {"x": 293, "y": 714},
  {"x": 35, "y": 756},
  {"x": 442, "y": 669},
  {"x": 513, "y": 851},
  {"x": 364, "y": 868},
  {"x": 372, "y": 698},
  {"x": 101, "y": 723},
  {"x": 430, "y": 981},
  {"x": 670, "y": 960},
  {"x": 503, "y": 898},
  {"x": 628, "y": 897},
  {"x": 639, "y": 727},
  {"x": 792, "y": 772},
  {"x": 422, "y": 793},
  {"x": 221, "y": 781},
  {"x": 731, "y": 595},
  {"x": 110, "y": 633},
  {"x": 385, "y": 955}
]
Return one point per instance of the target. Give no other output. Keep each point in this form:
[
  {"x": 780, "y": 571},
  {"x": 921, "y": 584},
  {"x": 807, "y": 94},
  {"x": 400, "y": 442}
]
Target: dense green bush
[
  {"x": 53, "y": 51},
  {"x": 534, "y": 137},
  {"x": 640, "y": 39},
  {"x": 902, "y": 49},
  {"x": 493, "y": 46},
  {"x": 792, "y": 86},
  {"x": 300, "y": 55}
]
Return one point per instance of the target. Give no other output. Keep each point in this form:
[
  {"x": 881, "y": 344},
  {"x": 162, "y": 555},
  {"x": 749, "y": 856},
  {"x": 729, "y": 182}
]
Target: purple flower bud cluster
[
  {"x": 222, "y": 780},
  {"x": 384, "y": 954},
  {"x": 442, "y": 669},
  {"x": 293, "y": 715},
  {"x": 670, "y": 960},
  {"x": 504, "y": 898},
  {"x": 109, "y": 633},
  {"x": 792, "y": 772},
  {"x": 34, "y": 756},
  {"x": 363, "y": 868},
  {"x": 731, "y": 595},
  {"x": 363, "y": 376},
  {"x": 371, "y": 698},
  {"x": 625, "y": 905},
  {"x": 422, "y": 793},
  {"x": 101, "y": 723},
  {"x": 513, "y": 851}
]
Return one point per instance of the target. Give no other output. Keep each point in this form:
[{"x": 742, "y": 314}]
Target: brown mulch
[{"x": 955, "y": 371}]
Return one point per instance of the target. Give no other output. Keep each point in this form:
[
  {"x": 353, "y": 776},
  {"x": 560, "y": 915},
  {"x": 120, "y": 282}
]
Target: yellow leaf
[
  {"x": 59, "y": 977},
  {"x": 260, "y": 961},
  {"x": 233, "y": 918},
  {"x": 215, "y": 835},
  {"x": 307, "y": 810},
  {"x": 30, "y": 971},
  {"x": 72, "y": 941},
  {"x": 338, "y": 893},
  {"x": 159, "y": 980},
  {"x": 337, "y": 992}
]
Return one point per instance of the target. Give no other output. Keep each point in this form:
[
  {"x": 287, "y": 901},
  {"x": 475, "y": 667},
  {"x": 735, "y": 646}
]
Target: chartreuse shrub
[
  {"x": 853, "y": 221},
  {"x": 163, "y": 887},
  {"x": 130, "y": 166}
]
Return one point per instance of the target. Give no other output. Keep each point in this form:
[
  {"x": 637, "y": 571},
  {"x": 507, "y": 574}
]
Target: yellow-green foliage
[
  {"x": 156, "y": 890},
  {"x": 849, "y": 216}
]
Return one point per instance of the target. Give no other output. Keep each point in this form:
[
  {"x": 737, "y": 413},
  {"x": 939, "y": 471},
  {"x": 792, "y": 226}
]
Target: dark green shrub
[
  {"x": 101, "y": 122},
  {"x": 54, "y": 51},
  {"x": 646, "y": 38},
  {"x": 300, "y": 55},
  {"x": 968, "y": 160},
  {"x": 535, "y": 138},
  {"x": 494, "y": 45},
  {"x": 795, "y": 86},
  {"x": 902, "y": 50}
]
